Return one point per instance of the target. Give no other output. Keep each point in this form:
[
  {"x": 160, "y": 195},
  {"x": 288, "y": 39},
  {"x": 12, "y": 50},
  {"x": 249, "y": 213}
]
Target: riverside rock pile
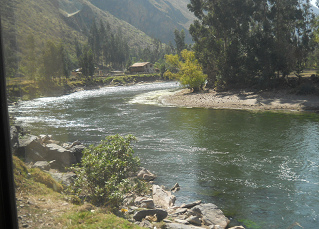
[
  {"x": 147, "y": 210},
  {"x": 44, "y": 153}
]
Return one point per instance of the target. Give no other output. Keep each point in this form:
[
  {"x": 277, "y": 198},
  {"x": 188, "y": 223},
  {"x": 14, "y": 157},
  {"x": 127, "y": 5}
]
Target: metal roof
[{"x": 141, "y": 64}]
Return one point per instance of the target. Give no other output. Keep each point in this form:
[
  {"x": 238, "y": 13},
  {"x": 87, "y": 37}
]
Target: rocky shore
[
  {"x": 148, "y": 211},
  {"x": 247, "y": 100}
]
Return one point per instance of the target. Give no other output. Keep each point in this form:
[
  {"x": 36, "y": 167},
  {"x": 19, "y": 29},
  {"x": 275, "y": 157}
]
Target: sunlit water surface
[{"x": 260, "y": 168}]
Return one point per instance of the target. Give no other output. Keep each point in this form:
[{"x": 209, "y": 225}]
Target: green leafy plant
[
  {"x": 187, "y": 71},
  {"x": 104, "y": 172}
]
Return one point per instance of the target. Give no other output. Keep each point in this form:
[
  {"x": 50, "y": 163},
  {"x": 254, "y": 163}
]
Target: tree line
[
  {"x": 252, "y": 42},
  {"x": 104, "y": 48}
]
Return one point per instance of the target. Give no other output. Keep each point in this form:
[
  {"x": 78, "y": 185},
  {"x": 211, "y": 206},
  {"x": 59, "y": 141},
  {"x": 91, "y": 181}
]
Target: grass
[{"x": 41, "y": 205}]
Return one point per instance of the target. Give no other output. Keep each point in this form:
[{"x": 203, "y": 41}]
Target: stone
[
  {"x": 182, "y": 221},
  {"x": 14, "y": 139},
  {"x": 181, "y": 226},
  {"x": 77, "y": 150},
  {"x": 145, "y": 224},
  {"x": 211, "y": 215},
  {"x": 43, "y": 165},
  {"x": 144, "y": 202},
  {"x": 160, "y": 214},
  {"x": 190, "y": 205},
  {"x": 237, "y": 227},
  {"x": 32, "y": 150},
  {"x": 64, "y": 178},
  {"x": 64, "y": 157},
  {"x": 195, "y": 220},
  {"x": 180, "y": 211},
  {"x": 145, "y": 174},
  {"x": 175, "y": 188},
  {"x": 163, "y": 198}
]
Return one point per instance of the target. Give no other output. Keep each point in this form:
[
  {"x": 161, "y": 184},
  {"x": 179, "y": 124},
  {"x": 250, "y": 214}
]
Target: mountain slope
[
  {"x": 157, "y": 18},
  {"x": 58, "y": 20}
]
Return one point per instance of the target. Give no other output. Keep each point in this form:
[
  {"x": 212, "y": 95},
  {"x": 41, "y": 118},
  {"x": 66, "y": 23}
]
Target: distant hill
[
  {"x": 59, "y": 20},
  {"x": 157, "y": 18}
]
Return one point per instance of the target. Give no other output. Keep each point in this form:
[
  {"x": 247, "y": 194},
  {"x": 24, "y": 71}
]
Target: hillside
[
  {"x": 157, "y": 18},
  {"x": 58, "y": 20}
]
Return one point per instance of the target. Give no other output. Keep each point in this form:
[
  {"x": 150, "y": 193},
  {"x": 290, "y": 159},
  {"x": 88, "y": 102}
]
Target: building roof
[{"x": 141, "y": 64}]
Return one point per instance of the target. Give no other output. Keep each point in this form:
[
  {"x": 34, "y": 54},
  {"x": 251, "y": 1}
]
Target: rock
[
  {"x": 237, "y": 227},
  {"x": 211, "y": 215},
  {"x": 163, "y": 198},
  {"x": 77, "y": 151},
  {"x": 14, "y": 139},
  {"x": 182, "y": 221},
  {"x": 145, "y": 174},
  {"x": 175, "y": 188},
  {"x": 160, "y": 214},
  {"x": 190, "y": 205},
  {"x": 44, "y": 165},
  {"x": 144, "y": 202},
  {"x": 151, "y": 218},
  {"x": 180, "y": 211},
  {"x": 145, "y": 224},
  {"x": 64, "y": 178},
  {"x": 32, "y": 149},
  {"x": 195, "y": 220},
  {"x": 64, "y": 157},
  {"x": 181, "y": 226}
]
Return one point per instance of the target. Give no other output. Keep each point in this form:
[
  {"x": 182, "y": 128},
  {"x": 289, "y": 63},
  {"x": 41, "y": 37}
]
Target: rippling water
[{"x": 261, "y": 168}]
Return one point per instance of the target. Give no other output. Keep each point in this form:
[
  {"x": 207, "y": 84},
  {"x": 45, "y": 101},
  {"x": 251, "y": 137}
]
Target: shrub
[{"x": 104, "y": 171}]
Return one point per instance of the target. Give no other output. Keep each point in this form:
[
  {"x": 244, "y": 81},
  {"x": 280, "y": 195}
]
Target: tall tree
[
  {"x": 179, "y": 40},
  {"x": 239, "y": 41}
]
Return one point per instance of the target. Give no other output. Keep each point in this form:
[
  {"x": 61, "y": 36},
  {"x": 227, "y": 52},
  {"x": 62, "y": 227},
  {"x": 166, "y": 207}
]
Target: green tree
[
  {"x": 179, "y": 40},
  {"x": 104, "y": 170},
  {"x": 30, "y": 60},
  {"x": 87, "y": 61},
  {"x": 239, "y": 42},
  {"x": 187, "y": 71}
]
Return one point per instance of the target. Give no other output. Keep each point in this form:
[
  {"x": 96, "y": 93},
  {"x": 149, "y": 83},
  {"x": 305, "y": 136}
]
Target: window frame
[{"x": 8, "y": 208}]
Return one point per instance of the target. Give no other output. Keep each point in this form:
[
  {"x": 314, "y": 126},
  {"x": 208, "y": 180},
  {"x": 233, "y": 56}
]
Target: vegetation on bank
[
  {"x": 104, "y": 175},
  {"x": 103, "y": 185}
]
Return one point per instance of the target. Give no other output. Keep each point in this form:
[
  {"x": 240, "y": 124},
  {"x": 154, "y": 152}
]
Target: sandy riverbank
[{"x": 248, "y": 100}]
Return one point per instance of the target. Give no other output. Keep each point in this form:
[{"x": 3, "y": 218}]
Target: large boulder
[
  {"x": 162, "y": 198},
  {"x": 211, "y": 215},
  {"x": 34, "y": 149},
  {"x": 62, "y": 156},
  {"x": 31, "y": 149}
]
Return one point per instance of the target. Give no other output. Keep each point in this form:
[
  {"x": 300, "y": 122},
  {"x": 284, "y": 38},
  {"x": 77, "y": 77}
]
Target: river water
[{"x": 260, "y": 168}]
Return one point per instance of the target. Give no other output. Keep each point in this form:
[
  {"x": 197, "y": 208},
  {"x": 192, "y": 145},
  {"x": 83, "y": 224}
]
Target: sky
[{"x": 313, "y": 2}]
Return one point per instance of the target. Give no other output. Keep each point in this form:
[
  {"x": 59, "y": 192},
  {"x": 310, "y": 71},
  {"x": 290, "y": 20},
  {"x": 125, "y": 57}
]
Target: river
[{"x": 260, "y": 168}]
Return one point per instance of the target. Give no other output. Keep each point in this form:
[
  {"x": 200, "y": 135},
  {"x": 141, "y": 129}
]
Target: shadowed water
[{"x": 261, "y": 168}]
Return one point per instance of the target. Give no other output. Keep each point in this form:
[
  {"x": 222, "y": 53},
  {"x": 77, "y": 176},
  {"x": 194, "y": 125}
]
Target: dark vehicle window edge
[{"x": 8, "y": 210}]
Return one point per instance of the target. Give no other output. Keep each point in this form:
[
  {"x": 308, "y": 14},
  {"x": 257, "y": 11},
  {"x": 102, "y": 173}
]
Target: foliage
[
  {"x": 188, "y": 71},
  {"x": 244, "y": 42},
  {"x": 105, "y": 169}
]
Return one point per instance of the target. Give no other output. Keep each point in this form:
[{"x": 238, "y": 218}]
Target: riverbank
[{"x": 280, "y": 100}]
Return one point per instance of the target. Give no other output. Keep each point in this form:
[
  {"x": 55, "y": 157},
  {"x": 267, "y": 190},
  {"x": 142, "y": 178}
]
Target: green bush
[{"x": 103, "y": 175}]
